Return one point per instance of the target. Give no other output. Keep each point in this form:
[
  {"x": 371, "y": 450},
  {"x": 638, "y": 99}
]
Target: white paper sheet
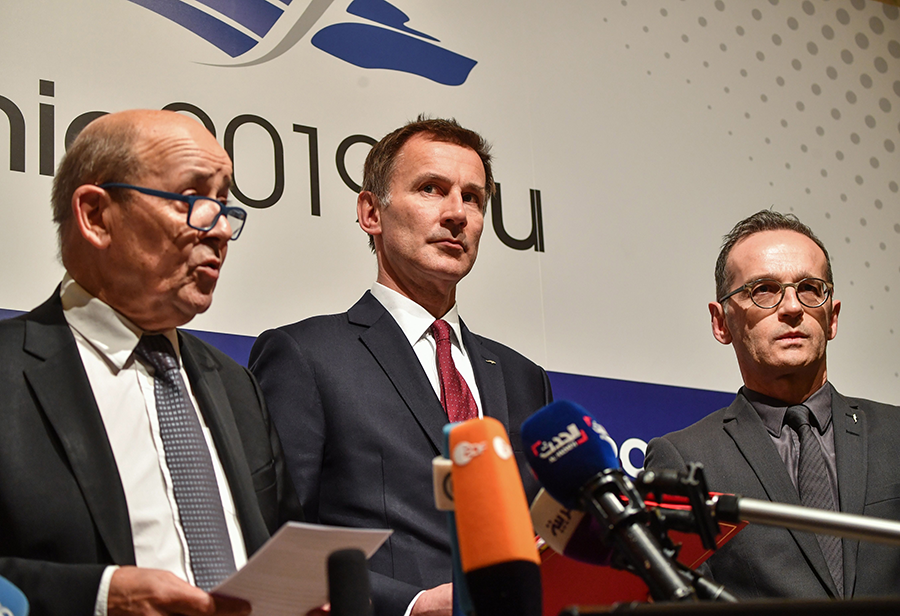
[{"x": 288, "y": 575}]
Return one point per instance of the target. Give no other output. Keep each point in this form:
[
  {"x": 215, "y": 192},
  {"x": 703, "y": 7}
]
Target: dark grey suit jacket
[
  {"x": 63, "y": 514},
  {"x": 360, "y": 424},
  {"x": 739, "y": 457}
]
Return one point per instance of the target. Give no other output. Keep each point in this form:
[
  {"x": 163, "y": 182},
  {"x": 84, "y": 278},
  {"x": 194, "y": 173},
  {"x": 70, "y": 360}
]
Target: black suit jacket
[
  {"x": 360, "y": 423},
  {"x": 739, "y": 457},
  {"x": 63, "y": 514}
]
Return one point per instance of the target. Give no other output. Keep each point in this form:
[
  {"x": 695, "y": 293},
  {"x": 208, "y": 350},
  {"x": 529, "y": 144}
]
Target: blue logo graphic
[{"x": 240, "y": 28}]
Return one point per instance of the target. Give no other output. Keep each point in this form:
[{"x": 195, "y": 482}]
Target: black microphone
[
  {"x": 348, "y": 583},
  {"x": 572, "y": 457}
]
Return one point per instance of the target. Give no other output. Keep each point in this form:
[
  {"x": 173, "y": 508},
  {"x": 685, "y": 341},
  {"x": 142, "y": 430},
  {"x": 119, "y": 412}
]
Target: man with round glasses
[
  {"x": 139, "y": 464},
  {"x": 789, "y": 436}
]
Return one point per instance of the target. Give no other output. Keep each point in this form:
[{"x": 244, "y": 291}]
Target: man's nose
[
  {"x": 455, "y": 211},
  {"x": 790, "y": 304}
]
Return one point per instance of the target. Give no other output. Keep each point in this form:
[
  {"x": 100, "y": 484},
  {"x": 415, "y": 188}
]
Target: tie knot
[
  {"x": 797, "y": 416},
  {"x": 440, "y": 329},
  {"x": 157, "y": 351}
]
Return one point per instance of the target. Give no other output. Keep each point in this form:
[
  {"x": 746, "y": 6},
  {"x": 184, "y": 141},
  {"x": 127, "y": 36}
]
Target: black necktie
[
  {"x": 190, "y": 466},
  {"x": 814, "y": 487}
]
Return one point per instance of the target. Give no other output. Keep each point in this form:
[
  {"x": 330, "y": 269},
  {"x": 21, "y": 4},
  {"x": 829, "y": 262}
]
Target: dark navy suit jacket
[{"x": 360, "y": 423}]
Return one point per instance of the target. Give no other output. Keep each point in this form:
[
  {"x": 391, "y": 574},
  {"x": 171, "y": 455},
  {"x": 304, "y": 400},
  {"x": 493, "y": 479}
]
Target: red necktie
[{"x": 456, "y": 398}]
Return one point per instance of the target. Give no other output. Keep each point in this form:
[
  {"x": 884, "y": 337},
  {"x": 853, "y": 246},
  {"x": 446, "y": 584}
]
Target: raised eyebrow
[
  {"x": 429, "y": 178},
  {"x": 207, "y": 179}
]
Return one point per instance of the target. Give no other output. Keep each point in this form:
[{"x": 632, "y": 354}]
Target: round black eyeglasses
[{"x": 767, "y": 293}]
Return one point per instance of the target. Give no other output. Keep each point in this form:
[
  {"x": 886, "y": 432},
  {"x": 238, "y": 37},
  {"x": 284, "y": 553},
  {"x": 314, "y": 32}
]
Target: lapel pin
[{"x": 491, "y": 361}]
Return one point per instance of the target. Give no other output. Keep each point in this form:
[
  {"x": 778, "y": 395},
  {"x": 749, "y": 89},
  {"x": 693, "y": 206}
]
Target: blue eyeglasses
[{"x": 203, "y": 212}]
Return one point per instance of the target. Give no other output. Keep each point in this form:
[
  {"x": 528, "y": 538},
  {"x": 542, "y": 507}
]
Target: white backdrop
[{"x": 649, "y": 127}]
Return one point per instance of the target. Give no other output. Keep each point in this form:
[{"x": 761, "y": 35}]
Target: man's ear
[
  {"x": 368, "y": 213},
  {"x": 833, "y": 321},
  {"x": 91, "y": 210},
  {"x": 719, "y": 324}
]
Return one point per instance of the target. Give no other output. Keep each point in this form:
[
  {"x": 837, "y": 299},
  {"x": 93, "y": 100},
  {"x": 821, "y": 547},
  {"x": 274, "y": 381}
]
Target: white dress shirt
[
  {"x": 416, "y": 323},
  {"x": 124, "y": 390}
]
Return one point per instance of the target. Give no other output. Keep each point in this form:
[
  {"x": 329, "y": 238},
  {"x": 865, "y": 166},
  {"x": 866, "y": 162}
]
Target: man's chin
[
  {"x": 188, "y": 307},
  {"x": 792, "y": 363}
]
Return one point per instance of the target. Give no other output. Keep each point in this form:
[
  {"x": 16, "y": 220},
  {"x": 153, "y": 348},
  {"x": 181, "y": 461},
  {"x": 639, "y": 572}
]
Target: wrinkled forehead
[
  {"x": 424, "y": 153},
  {"x": 182, "y": 146},
  {"x": 781, "y": 255}
]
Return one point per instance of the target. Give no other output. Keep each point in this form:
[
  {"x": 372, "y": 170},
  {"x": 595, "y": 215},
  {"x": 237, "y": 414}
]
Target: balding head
[
  {"x": 107, "y": 150},
  {"x": 136, "y": 251}
]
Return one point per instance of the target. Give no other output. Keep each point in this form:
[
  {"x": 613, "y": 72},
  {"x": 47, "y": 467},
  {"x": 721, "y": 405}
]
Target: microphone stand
[
  {"x": 707, "y": 511},
  {"x": 734, "y": 508},
  {"x": 625, "y": 524}
]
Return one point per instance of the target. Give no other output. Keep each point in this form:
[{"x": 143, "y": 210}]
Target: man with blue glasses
[
  {"x": 140, "y": 467},
  {"x": 789, "y": 436}
]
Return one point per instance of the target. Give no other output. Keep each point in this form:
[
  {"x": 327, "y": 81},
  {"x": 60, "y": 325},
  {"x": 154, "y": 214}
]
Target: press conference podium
[
  {"x": 764, "y": 607},
  {"x": 567, "y": 582}
]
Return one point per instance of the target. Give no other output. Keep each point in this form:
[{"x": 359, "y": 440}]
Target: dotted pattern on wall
[{"x": 815, "y": 88}]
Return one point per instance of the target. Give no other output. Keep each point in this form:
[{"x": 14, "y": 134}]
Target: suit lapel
[
  {"x": 62, "y": 388},
  {"x": 385, "y": 340},
  {"x": 488, "y": 377},
  {"x": 745, "y": 427},
  {"x": 852, "y": 468},
  {"x": 209, "y": 390}
]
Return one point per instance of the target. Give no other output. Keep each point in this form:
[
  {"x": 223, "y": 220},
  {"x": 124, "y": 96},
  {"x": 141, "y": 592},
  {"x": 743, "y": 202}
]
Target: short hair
[
  {"x": 102, "y": 152},
  {"x": 764, "y": 220},
  {"x": 381, "y": 161}
]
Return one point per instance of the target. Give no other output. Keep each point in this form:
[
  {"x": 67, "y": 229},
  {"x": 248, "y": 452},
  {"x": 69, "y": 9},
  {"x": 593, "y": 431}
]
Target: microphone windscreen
[
  {"x": 566, "y": 446},
  {"x": 12, "y": 600},
  {"x": 462, "y": 601},
  {"x": 494, "y": 531},
  {"x": 348, "y": 583},
  {"x": 569, "y": 532},
  {"x": 492, "y": 520}
]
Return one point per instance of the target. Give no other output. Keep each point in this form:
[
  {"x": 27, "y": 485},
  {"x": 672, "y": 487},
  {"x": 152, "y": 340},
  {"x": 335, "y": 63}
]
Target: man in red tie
[{"x": 360, "y": 398}]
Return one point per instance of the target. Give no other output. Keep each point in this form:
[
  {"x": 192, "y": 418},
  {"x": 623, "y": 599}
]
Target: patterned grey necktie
[
  {"x": 190, "y": 466},
  {"x": 814, "y": 487}
]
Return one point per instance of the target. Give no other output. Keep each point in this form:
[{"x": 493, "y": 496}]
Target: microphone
[
  {"x": 496, "y": 542},
  {"x": 442, "y": 469},
  {"x": 572, "y": 456},
  {"x": 569, "y": 532},
  {"x": 348, "y": 583},
  {"x": 12, "y": 600}
]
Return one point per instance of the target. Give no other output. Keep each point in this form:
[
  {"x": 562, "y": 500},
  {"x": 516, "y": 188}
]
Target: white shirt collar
[
  {"x": 112, "y": 334},
  {"x": 412, "y": 318}
]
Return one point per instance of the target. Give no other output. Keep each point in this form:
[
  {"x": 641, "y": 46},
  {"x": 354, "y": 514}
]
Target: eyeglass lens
[
  {"x": 205, "y": 214},
  {"x": 768, "y": 293}
]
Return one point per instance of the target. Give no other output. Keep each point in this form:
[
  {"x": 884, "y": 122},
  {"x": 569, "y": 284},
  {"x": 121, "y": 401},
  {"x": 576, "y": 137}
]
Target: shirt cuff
[
  {"x": 407, "y": 613},
  {"x": 100, "y": 606}
]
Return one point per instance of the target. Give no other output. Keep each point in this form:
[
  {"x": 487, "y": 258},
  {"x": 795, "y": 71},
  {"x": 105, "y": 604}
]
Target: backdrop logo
[{"x": 253, "y": 32}]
